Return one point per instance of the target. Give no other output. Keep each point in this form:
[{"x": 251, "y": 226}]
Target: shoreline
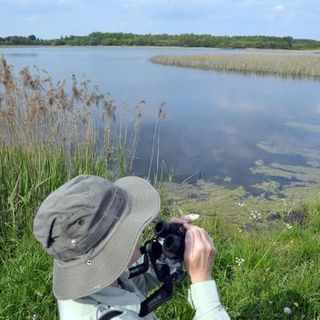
[{"x": 314, "y": 51}]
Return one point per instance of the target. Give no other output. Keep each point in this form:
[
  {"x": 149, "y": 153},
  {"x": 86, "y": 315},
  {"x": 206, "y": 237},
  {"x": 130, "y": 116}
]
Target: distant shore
[
  {"x": 169, "y": 40},
  {"x": 315, "y": 51}
]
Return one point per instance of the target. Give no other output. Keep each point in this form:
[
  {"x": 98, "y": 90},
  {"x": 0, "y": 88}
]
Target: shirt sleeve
[
  {"x": 76, "y": 310},
  {"x": 204, "y": 298},
  {"x": 85, "y": 310}
]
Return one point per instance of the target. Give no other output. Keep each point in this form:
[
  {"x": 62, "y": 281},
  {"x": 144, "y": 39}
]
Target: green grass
[
  {"x": 294, "y": 66},
  {"x": 47, "y": 136},
  {"x": 25, "y": 180},
  {"x": 281, "y": 266}
]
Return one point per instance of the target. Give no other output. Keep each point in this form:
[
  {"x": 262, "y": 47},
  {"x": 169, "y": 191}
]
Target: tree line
[{"x": 180, "y": 40}]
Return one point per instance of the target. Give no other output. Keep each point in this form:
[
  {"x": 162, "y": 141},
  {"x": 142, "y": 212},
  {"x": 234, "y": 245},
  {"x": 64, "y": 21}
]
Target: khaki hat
[{"x": 90, "y": 226}]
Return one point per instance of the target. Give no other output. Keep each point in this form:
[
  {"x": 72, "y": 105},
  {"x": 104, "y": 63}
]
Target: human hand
[
  {"x": 199, "y": 253},
  {"x": 189, "y": 218}
]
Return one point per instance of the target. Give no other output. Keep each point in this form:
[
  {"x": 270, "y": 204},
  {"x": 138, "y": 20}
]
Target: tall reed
[
  {"x": 39, "y": 115},
  {"x": 50, "y": 132},
  {"x": 283, "y": 65}
]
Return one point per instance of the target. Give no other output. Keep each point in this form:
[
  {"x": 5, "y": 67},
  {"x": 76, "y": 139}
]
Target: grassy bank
[
  {"x": 294, "y": 66},
  {"x": 26, "y": 178},
  {"x": 48, "y": 135},
  {"x": 259, "y": 272}
]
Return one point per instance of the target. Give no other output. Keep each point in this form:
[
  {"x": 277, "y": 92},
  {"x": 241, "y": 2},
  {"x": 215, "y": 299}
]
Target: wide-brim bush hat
[{"x": 91, "y": 226}]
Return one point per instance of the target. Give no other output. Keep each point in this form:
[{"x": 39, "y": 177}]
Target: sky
[{"x": 49, "y": 19}]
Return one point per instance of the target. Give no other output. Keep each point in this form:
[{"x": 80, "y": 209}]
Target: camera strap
[
  {"x": 156, "y": 299},
  {"x": 151, "y": 253},
  {"x": 140, "y": 268}
]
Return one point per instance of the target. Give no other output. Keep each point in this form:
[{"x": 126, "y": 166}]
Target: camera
[
  {"x": 174, "y": 236},
  {"x": 168, "y": 242}
]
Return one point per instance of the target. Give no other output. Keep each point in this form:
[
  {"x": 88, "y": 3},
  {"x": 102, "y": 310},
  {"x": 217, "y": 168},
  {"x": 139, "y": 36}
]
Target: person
[{"x": 91, "y": 227}]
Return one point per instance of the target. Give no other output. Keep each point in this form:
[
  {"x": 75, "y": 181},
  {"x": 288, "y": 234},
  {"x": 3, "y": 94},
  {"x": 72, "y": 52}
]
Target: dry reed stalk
[
  {"x": 156, "y": 143},
  {"x": 37, "y": 114}
]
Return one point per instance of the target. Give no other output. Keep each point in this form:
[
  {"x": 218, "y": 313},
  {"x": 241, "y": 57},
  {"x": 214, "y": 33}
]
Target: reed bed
[
  {"x": 295, "y": 66},
  {"x": 40, "y": 116},
  {"x": 50, "y": 132}
]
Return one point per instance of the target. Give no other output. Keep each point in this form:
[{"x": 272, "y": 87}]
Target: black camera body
[
  {"x": 169, "y": 243},
  {"x": 174, "y": 237}
]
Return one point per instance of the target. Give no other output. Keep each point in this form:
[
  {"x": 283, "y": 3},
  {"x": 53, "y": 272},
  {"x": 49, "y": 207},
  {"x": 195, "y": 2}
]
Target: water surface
[{"x": 233, "y": 129}]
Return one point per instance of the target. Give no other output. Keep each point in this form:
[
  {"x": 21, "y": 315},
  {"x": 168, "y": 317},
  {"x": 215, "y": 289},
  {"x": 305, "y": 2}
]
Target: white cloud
[{"x": 278, "y": 8}]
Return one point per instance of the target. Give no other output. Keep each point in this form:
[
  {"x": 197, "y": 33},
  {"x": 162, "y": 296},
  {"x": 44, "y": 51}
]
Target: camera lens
[
  {"x": 162, "y": 229},
  {"x": 173, "y": 247}
]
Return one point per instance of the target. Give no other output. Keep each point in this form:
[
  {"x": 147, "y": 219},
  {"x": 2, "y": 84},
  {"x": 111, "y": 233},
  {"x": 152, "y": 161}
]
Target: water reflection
[{"x": 217, "y": 124}]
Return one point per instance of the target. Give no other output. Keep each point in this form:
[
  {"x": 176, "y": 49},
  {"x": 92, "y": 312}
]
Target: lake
[{"x": 260, "y": 132}]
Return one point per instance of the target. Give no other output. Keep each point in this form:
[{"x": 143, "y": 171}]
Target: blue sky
[{"x": 53, "y": 18}]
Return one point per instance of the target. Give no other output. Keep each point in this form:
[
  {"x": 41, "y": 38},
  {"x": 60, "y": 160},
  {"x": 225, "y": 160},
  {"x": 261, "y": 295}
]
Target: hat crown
[{"x": 74, "y": 218}]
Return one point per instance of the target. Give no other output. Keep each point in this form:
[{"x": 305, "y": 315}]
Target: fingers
[
  {"x": 197, "y": 235},
  {"x": 179, "y": 220},
  {"x": 189, "y": 243},
  {"x": 200, "y": 236},
  {"x": 193, "y": 216},
  {"x": 189, "y": 218},
  {"x": 208, "y": 238},
  {"x": 199, "y": 253}
]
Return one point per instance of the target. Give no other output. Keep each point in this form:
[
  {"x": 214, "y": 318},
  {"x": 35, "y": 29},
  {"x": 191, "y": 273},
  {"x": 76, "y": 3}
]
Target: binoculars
[{"x": 174, "y": 236}]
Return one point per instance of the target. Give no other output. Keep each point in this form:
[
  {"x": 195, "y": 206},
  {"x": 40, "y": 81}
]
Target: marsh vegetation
[
  {"x": 295, "y": 66},
  {"x": 50, "y": 132},
  {"x": 40, "y": 116}
]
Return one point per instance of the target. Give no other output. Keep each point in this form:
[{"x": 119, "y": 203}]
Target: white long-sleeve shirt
[{"x": 124, "y": 303}]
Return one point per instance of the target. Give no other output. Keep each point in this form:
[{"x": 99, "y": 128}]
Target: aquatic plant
[{"x": 288, "y": 65}]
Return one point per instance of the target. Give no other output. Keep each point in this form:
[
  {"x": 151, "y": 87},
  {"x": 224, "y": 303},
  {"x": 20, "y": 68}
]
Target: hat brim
[{"x": 75, "y": 279}]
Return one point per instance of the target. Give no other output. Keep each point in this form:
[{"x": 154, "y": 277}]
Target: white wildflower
[
  {"x": 287, "y": 310},
  {"x": 255, "y": 215},
  {"x": 239, "y": 261}
]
